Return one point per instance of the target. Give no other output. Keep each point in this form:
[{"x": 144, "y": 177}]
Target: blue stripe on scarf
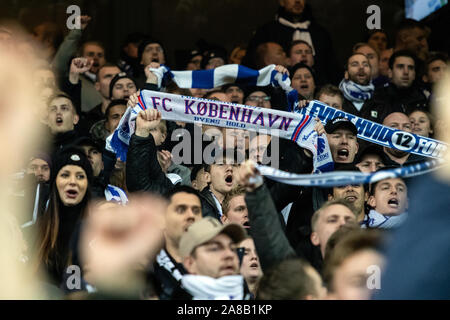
[
  {"x": 247, "y": 76},
  {"x": 203, "y": 79}
]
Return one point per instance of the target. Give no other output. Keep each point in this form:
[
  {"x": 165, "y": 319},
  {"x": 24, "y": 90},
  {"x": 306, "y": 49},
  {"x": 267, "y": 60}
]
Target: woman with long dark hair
[{"x": 67, "y": 206}]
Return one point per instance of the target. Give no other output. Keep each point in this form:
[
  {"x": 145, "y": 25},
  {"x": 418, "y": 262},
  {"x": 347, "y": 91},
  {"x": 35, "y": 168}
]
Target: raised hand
[
  {"x": 164, "y": 159},
  {"x": 319, "y": 128},
  {"x": 151, "y": 77},
  {"x": 78, "y": 65},
  {"x": 84, "y": 20},
  {"x": 282, "y": 69},
  {"x": 147, "y": 120},
  {"x": 133, "y": 99},
  {"x": 248, "y": 176}
]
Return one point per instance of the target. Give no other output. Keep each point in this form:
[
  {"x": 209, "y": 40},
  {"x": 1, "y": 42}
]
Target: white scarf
[
  {"x": 207, "y": 288},
  {"x": 301, "y": 31},
  {"x": 375, "y": 219}
]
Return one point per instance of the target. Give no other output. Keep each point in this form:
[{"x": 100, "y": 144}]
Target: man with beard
[
  {"x": 355, "y": 194},
  {"x": 400, "y": 121},
  {"x": 356, "y": 85}
]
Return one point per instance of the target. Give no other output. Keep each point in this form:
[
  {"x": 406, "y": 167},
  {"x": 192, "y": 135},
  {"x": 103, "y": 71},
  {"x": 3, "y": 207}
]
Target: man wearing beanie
[
  {"x": 150, "y": 50},
  {"x": 122, "y": 86},
  {"x": 209, "y": 253}
]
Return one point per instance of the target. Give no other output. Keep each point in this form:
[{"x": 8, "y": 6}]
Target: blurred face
[
  {"x": 301, "y": 53},
  {"x": 258, "y": 99},
  {"x": 372, "y": 55},
  {"x": 61, "y": 115},
  {"x": 435, "y": 71},
  {"x": 400, "y": 121},
  {"x": 184, "y": 209},
  {"x": 275, "y": 55},
  {"x": 95, "y": 158},
  {"x": 390, "y": 197},
  {"x": 378, "y": 40},
  {"x": 384, "y": 62},
  {"x": 250, "y": 267},
  {"x": 216, "y": 258},
  {"x": 370, "y": 163},
  {"x": 96, "y": 54},
  {"x": 72, "y": 184},
  {"x": 44, "y": 78},
  {"x": 358, "y": 70},
  {"x": 258, "y": 147},
  {"x": 420, "y": 123},
  {"x": 40, "y": 169},
  {"x": 293, "y": 6},
  {"x": 214, "y": 63},
  {"x": 237, "y": 55},
  {"x": 104, "y": 77},
  {"x": 235, "y": 94},
  {"x": 319, "y": 289},
  {"x": 221, "y": 178},
  {"x": 343, "y": 145},
  {"x": 333, "y": 101},
  {"x": 416, "y": 41},
  {"x": 201, "y": 180},
  {"x": 303, "y": 82},
  {"x": 195, "y": 63},
  {"x": 350, "y": 278},
  {"x": 198, "y": 93},
  {"x": 403, "y": 72},
  {"x": 114, "y": 115},
  {"x": 158, "y": 135},
  {"x": 353, "y": 194},
  {"x": 330, "y": 219},
  {"x": 153, "y": 52},
  {"x": 131, "y": 49},
  {"x": 237, "y": 212},
  {"x": 123, "y": 89}
]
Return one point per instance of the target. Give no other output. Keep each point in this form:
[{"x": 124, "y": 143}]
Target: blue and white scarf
[
  {"x": 343, "y": 178},
  {"x": 377, "y": 133},
  {"x": 356, "y": 92},
  {"x": 207, "y": 288},
  {"x": 375, "y": 219},
  {"x": 299, "y": 128},
  {"x": 287, "y": 125}
]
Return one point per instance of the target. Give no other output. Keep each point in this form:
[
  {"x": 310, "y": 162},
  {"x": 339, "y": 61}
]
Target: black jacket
[
  {"x": 325, "y": 62},
  {"x": 271, "y": 242},
  {"x": 400, "y": 100},
  {"x": 143, "y": 172},
  {"x": 209, "y": 206},
  {"x": 165, "y": 271}
]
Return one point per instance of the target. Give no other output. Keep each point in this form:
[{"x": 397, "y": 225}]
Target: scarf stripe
[
  {"x": 377, "y": 133},
  {"x": 342, "y": 178}
]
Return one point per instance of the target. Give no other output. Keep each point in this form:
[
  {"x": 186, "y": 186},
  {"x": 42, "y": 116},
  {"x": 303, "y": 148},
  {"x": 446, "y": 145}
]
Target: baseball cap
[
  {"x": 204, "y": 230},
  {"x": 340, "y": 123}
]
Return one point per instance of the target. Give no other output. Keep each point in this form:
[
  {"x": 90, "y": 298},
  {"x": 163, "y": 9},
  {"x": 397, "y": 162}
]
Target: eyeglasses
[{"x": 258, "y": 98}]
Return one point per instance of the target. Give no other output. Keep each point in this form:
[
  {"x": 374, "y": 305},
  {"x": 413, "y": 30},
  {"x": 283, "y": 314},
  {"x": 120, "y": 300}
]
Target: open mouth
[
  {"x": 351, "y": 198},
  {"x": 342, "y": 154},
  {"x": 126, "y": 97},
  {"x": 246, "y": 224},
  {"x": 155, "y": 60},
  {"x": 71, "y": 194},
  {"x": 254, "y": 265},
  {"x": 229, "y": 179},
  {"x": 304, "y": 86},
  {"x": 59, "y": 121},
  {"x": 393, "y": 203}
]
